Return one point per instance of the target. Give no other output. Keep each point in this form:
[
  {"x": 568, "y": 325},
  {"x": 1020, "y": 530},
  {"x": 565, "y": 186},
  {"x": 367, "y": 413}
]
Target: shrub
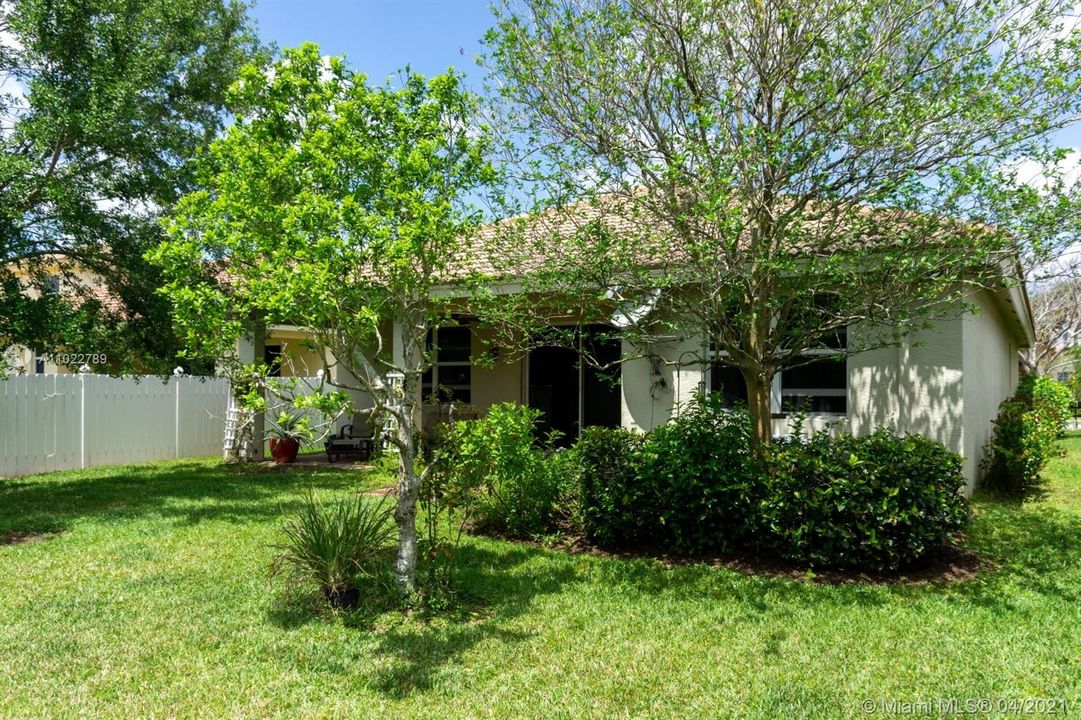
[
  {"x": 706, "y": 477},
  {"x": 335, "y": 545},
  {"x": 876, "y": 502},
  {"x": 497, "y": 471},
  {"x": 690, "y": 484},
  {"x": 617, "y": 507},
  {"x": 1026, "y": 434}
]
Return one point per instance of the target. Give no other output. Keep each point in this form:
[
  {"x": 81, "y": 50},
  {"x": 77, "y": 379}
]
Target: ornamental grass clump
[{"x": 336, "y": 545}]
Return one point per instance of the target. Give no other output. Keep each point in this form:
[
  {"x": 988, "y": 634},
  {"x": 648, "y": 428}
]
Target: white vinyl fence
[{"x": 63, "y": 422}]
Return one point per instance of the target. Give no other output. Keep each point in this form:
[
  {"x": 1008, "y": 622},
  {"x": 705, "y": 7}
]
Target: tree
[
  {"x": 339, "y": 207},
  {"x": 105, "y": 104},
  {"x": 786, "y": 170},
  {"x": 1056, "y": 311}
]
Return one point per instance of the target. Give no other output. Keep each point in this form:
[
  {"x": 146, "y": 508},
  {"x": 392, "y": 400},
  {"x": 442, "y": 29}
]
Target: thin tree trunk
[
  {"x": 405, "y": 514},
  {"x": 758, "y": 404},
  {"x": 413, "y": 331}
]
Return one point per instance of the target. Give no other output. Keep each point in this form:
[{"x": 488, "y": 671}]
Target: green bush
[
  {"x": 496, "y": 470},
  {"x": 618, "y": 508},
  {"x": 690, "y": 485},
  {"x": 876, "y": 502},
  {"x": 335, "y": 545},
  {"x": 1026, "y": 434},
  {"x": 706, "y": 478},
  {"x": 696, "y": 485}
]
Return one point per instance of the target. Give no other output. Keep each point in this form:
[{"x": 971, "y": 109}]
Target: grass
[{"x": 150, "y": 598}]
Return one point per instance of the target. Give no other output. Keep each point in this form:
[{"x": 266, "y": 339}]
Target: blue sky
[{"x": 380, "y": 36}]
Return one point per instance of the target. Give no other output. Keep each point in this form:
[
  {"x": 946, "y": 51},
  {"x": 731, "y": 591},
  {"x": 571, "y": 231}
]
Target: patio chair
[{"x": 357, "y": 438}]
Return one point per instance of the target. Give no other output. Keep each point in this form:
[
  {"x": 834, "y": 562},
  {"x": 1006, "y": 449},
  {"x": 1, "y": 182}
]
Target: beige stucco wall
[
  {"x": 502, "y": 381},
  {"x": 991, "y": 374},
  {"x": 945, "y": 382},
  {"x": 649, "y": 401}
]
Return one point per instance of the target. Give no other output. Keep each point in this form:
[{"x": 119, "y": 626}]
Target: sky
[{"x": 378, "y": 37}]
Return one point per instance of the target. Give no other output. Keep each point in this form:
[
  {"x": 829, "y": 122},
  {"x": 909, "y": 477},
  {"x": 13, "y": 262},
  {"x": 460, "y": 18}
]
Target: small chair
[{"x": 356, "y": 438}]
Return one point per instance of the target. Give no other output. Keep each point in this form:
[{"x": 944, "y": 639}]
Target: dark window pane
[
  {"x": 601, "y": 388},
  {"x": 825, "y": 373},
  {"x": 798, "y": 386},
  {"x": 836, "y": 340},
  {"x": 454, "y": 374},
  {"x": 728, "y": 381},
  {"x": 272, "y": 358},
  {"x": 454, "y": 344}
]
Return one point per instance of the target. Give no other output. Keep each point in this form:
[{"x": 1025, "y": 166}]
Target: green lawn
[{"x": 151, "y": 599}]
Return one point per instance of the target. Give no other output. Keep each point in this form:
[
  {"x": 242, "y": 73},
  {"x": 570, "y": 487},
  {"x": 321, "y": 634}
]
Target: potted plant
[{"x": 285, "y": 436}]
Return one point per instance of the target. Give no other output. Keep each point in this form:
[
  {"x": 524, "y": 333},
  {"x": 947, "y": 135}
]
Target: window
[
  {"x": 450, "y": 378},
  {"x": 52, "y": 284},
  {"x": 728, "y": 381},
  {"x": 272, "y": 358},
  {"x": 39, "y": 364},
  {"x": 821, "y": 386}
]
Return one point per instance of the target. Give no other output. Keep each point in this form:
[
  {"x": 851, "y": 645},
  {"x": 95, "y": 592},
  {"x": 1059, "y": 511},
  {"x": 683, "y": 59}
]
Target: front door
[
  {"x": 572, "y": 395},
  {"x": 553, "y": 389}
]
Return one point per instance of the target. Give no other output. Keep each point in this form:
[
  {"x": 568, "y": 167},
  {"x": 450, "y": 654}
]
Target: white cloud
[
  {"x": 12, "y": 92},
  {"x": 1035, "y": 174}
]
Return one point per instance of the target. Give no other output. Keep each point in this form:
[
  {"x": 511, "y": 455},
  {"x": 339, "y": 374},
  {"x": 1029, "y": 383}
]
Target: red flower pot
[{"x": 284, "y": 450}]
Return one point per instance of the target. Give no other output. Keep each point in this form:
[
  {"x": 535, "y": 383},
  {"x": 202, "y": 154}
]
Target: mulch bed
[{"x": 951, "y": 564}]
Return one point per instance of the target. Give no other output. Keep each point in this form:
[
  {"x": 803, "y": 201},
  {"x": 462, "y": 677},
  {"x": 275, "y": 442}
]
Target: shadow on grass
[
  {"x": 187, "y": 492},
  {"x": 497, "y": 587},
  {"x": 1034, "y": 549}
]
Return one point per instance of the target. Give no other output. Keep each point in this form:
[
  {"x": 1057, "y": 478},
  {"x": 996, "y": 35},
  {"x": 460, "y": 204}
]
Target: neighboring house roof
[{"x": 78, "y": 284}]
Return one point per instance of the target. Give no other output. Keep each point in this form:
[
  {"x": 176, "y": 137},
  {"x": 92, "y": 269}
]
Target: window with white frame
[
  {"x": 450, "y": 377},
  {"x": 819, "y": 386}
]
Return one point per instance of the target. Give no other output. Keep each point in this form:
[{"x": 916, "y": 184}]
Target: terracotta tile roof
[{"x": 528, "y": 243}]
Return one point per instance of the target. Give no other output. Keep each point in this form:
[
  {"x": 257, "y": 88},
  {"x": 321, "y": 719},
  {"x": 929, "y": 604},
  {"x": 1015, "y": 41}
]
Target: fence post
[
  {"x": 83, "y": 370},
  {"x": 178, "y": 374}
]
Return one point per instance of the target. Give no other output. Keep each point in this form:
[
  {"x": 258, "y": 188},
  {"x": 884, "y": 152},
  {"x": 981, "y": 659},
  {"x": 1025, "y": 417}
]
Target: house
[
  {"x": 62, "y": 276},
  {"x": 945, "y": 382}
]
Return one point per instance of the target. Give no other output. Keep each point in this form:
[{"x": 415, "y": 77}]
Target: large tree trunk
[{"x": 759, "y": 406}]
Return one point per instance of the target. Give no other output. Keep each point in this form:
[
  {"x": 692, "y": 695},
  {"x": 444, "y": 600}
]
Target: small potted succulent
[{"x": 285, "y": 435}]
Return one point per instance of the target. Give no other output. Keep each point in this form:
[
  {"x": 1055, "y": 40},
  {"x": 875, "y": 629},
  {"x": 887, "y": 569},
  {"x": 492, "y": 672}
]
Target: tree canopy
[
  {"x": 106, "y": 102},
  {"x": 790, "y": 169},
  {"x": 339, "y": 207}
]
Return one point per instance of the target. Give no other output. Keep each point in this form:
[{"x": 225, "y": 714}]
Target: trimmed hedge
[
  {"x": 876, "y": 502},
  {"x": 694, "y": 486},
  {"x": 616, "y": 510},
  {"x": 1026, "y": 434}
]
